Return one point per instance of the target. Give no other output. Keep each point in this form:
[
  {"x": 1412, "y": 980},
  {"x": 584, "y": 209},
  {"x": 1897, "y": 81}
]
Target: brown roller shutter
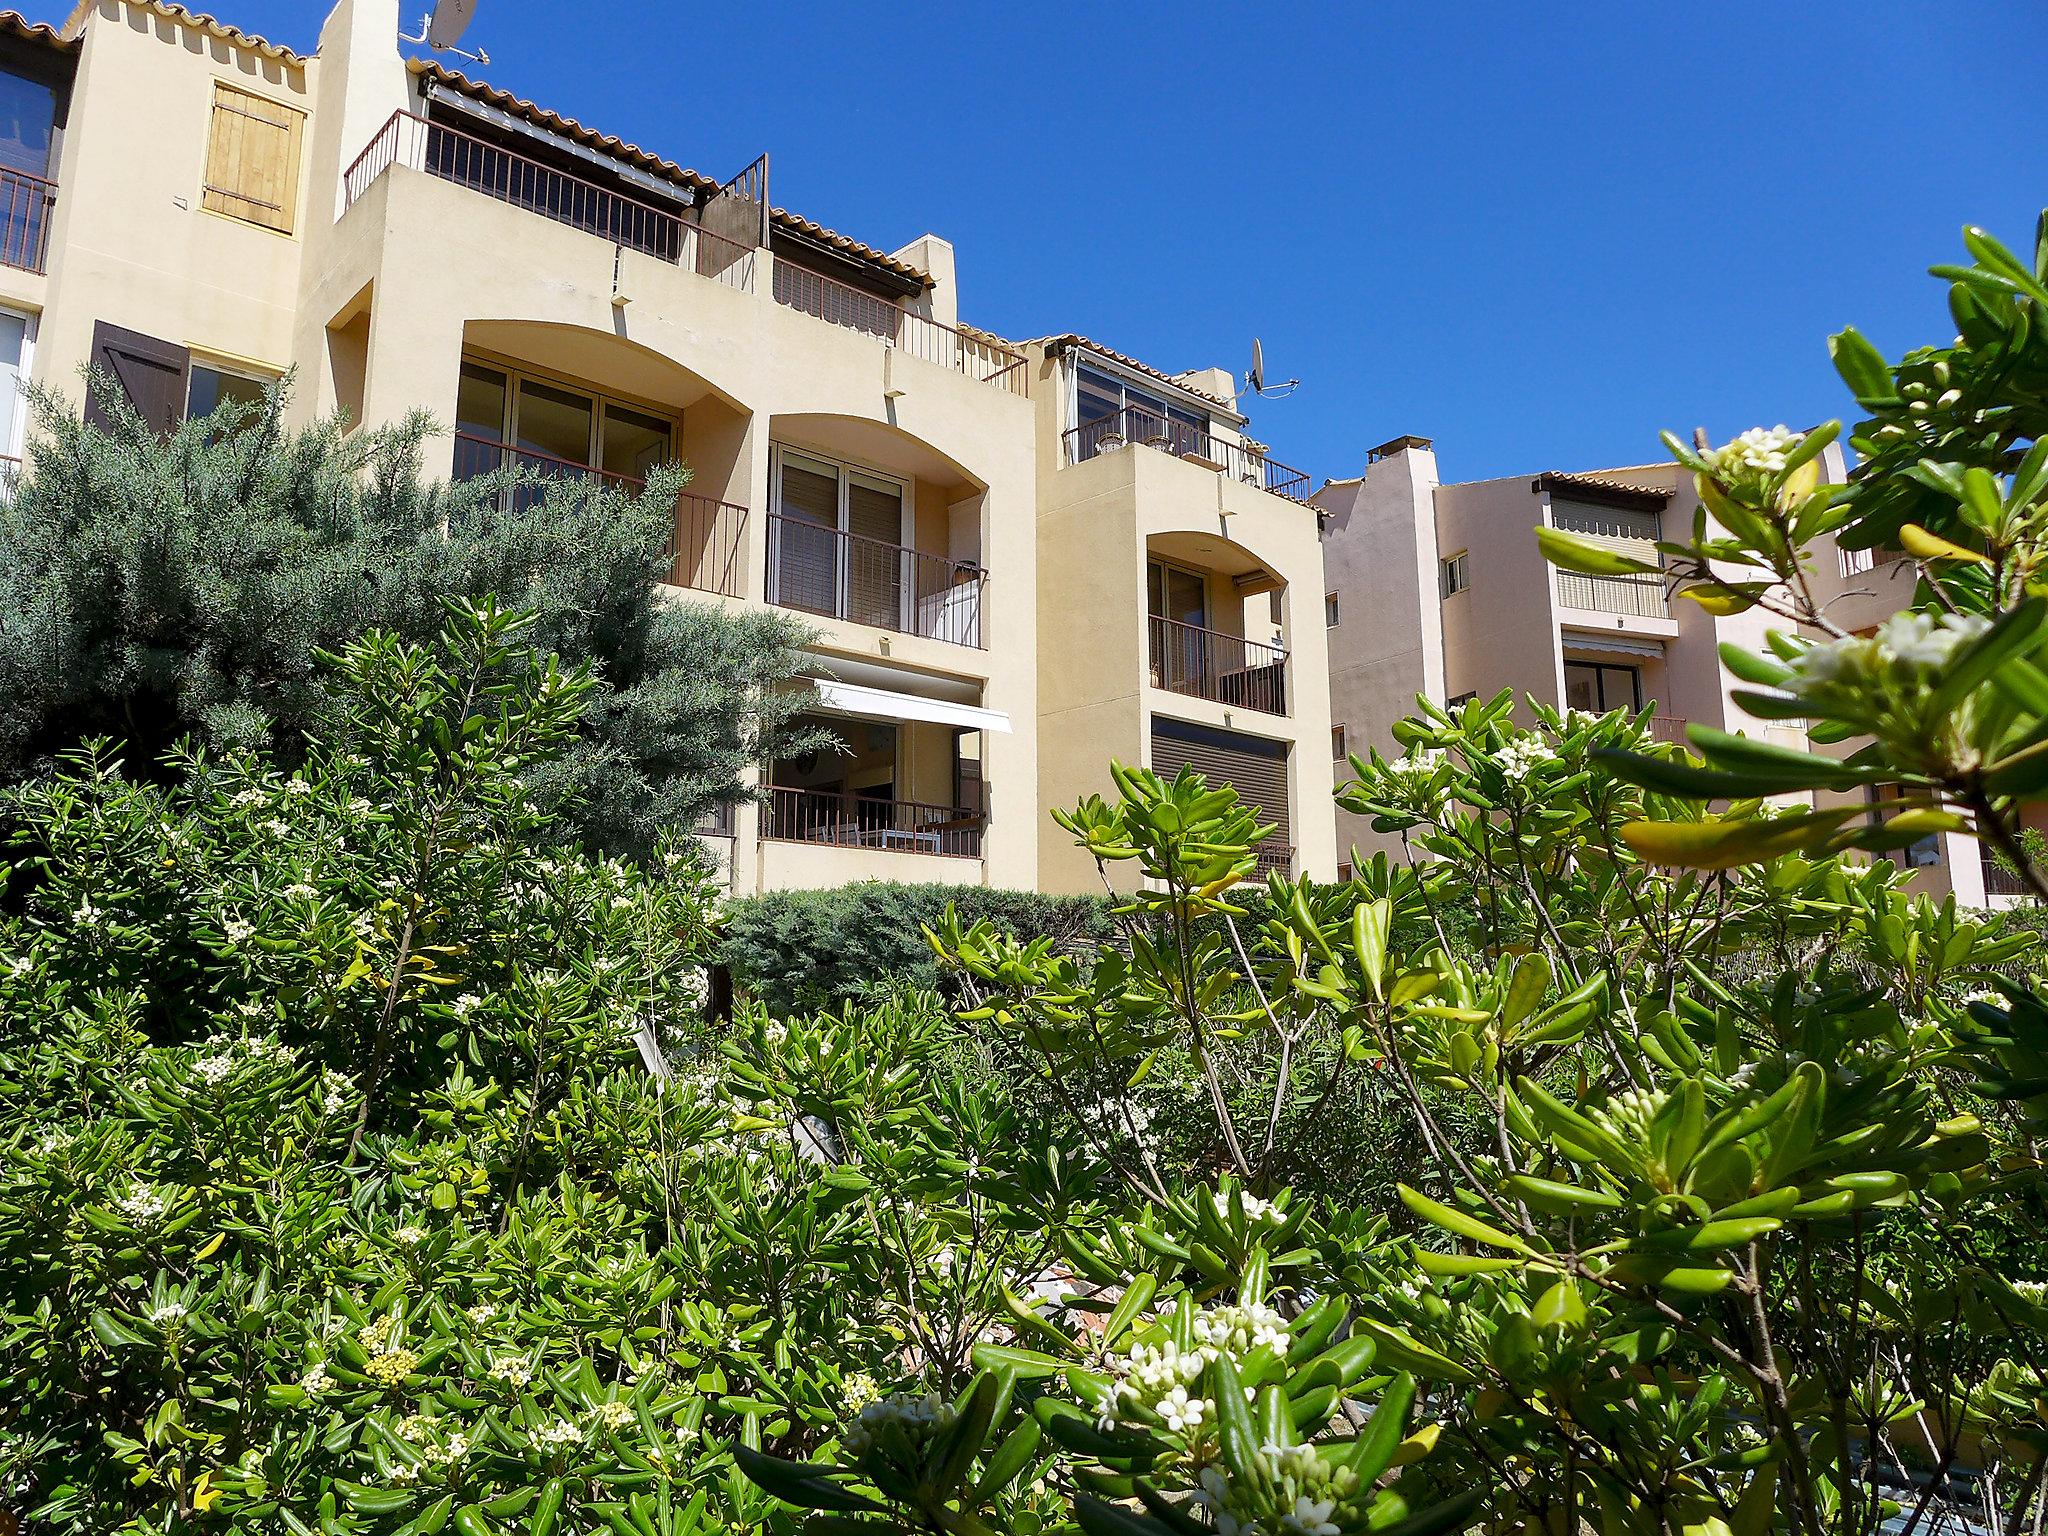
[
  {"x": 151, "y": 373},
  {"x": 1255, "y": 766}
]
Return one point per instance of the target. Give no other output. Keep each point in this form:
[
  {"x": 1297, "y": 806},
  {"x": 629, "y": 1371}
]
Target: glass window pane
[
  {"x": 13, "y": 337},
  {"x": 210, "y": 387},
  {"x": 480, "y": 402},
  {"x": 634, "y": 442},
  {"x": 1582, "y": 687},
  {"x": 554, "y": 421},
  {"x": 28, "y": 108}
]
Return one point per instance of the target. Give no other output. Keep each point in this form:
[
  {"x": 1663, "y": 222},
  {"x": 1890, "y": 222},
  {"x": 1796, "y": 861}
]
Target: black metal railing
[
  {"x": 1184, "y": 440},
  {"x": 452, "y": 155},
  {"x": 25, "y": 202},
  {"x": 1639, "y": 597},
  {"x": 1274, "y": 858},
  {"x": 920, "y": 336},
  {"x": 1998, "y": 880},
  {"x": 707, "y": 546},
  {"x": 857, "y": 821},
  {"x": 1209, "y": 664},
  {"x": 840, "y": 575}
]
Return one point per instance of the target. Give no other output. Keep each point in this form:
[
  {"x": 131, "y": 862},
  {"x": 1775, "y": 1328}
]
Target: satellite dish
[
  {"x": 1255, "y": 381},
  {"x": 451, "y": 18}
]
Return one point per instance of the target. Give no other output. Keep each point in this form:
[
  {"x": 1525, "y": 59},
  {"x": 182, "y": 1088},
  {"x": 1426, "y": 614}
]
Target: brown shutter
[
  {"x": 1256, "y": 766},
  {"x": 252, "y": 158},
  {"x": 149, "y": 372}
]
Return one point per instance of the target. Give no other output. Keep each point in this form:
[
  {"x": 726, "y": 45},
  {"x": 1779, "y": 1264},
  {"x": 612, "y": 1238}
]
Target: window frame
[
  {"x": 601, "y": 402},
  {"x": 845, "y": 472},
  {"x": 294, "y": 126},
  {"x": 1339, "y": 747},
  {"x": 1175, "y": 416},
  {"x": 1454, "y": 575},
  {"x": 1600, "y": 669},
  {"x": 249, "y": 373},
  {"x": 1332, "y": 611}
]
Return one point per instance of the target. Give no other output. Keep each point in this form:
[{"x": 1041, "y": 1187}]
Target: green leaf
[
  {"x": 1571, "y": 552},
  {"x": 1863, "y": 369},
  {"x": 1459, "y": 1224}
]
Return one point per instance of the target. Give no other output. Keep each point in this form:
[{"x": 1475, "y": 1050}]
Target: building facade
[{"x": 1019, "y": 559}]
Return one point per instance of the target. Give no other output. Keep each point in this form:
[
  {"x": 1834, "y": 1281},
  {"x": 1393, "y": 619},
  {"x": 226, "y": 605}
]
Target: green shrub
[{"x": 803, "y": 950}]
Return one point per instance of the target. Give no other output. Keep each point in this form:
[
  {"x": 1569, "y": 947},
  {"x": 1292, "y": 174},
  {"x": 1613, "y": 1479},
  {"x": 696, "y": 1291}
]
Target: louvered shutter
[
  {"x": 1255, "y": 766},
  {"x": 149, "y": 372},
  {"x": 807, "y": 539},
  {"x": 874, "y": 580},
  {"x": 252, "y": 158}
]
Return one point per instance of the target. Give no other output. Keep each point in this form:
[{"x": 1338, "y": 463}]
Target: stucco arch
[{"x": 1248, "y": 571}]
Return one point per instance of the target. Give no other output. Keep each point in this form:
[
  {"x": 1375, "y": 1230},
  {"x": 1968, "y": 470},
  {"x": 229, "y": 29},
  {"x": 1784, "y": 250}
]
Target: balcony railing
[
  {"x": 1274, "y": 858},
  {"x": 1855, "y": 562},
  {"x": 1640, "y": 597},
  {"x": 920, "y": 336},
  {"x": 1998, "y": 880},
  {"x": 866, "y": 581},
  {"x": 707, "y": 545},
  {"x": 1227, "y": 669},
  {"x": 1669, "y": 728},
  {"x": 410, "y": 140},
  {"x": 856, "y": 821},
  {"x": 1185, "y": 441},
  {"x": 25, "y": 219}
]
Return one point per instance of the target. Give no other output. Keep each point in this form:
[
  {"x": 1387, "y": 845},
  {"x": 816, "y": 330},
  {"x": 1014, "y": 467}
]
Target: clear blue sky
[{"x": 1536, "y": 234}]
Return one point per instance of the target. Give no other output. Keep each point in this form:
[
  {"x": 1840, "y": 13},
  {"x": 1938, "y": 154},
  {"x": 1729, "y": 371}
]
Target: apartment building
[
  {"x": 1440, "y": 591},
  {"x": 1019, "y": 559}
]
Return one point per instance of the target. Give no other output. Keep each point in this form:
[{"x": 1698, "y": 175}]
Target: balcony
[
  {"x": 1669, "y": 728},
  {"x": 668, "y": 235},
  {"x": 1638, "y": 597},
  {"x": 859, "y": 821},
  {"x": 25, "y": 202},
  {"x": 840, "y": 575},
  {"x": 916, "y": 335},
  {"x": 1184, "y": 441},
  {"x": 1223, "y": 668},
  {"x": 706, "y": 546},
  {"x": 499, "y": 173}
]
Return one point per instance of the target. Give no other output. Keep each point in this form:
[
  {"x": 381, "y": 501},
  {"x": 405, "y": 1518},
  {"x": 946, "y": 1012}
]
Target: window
[
  {"x": 1106, "y": 407},
  {"x": 835, "y": 542},
  {"x": 1345, "y": 873},
  {"x": 17, "y": 340},
  {"x": 1177, "y": 594},
  {"x": 1329, "y": 610},
  {"x": 1596, "y": 687},
  {"x": 503, "y": 416},
  {"x": 1337, "y": 749},
  {"x": 1924, "y": 853},
  {"x": 1455, "y": 577},
  {"x": 28, "y": 118},
  {"x": 252, "y": 159},
  {"x": 208, "y": 387},
  {"x": 1459, "y": 701}
]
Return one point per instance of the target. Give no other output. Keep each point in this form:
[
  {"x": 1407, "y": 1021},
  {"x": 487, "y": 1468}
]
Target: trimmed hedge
[{"x": 799, "y": 951}]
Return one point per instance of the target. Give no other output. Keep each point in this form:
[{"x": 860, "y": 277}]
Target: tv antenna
[
  {"x": 442, "y": 28},
  {"x": 1255, "y": 381}
]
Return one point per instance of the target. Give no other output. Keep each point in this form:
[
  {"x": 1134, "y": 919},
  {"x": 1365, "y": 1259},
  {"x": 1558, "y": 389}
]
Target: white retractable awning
[{"x": 884, "y": 704}]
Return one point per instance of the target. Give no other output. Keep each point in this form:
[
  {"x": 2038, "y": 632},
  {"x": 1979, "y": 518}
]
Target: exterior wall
[
  {"x": 1380, "y": 559},
  {"x": 130, "y": 242},
  {"x": 1501, "y": 631}
]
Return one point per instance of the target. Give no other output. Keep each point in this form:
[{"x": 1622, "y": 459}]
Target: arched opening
[
  {"x": 1216, "y": 621},
  {"x": 873, "y": 526},
  {"x": 564, "y": 401}
]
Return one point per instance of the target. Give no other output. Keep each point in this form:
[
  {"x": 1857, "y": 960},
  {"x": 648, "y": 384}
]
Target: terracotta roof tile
[
  {"x": 1597, "y": 481},
  {"x": 1061, "y": 343},
  {"x": 212, "y": 26},
  {"x": 652, "y": 163},
  {"x": 34, "y": 31}
]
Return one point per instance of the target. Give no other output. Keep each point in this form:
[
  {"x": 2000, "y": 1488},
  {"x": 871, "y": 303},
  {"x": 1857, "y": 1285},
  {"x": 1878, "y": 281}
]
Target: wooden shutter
[
  {"x": 1255, "y": 766},
  {"x": 252, "y": 158},
  {"x": 874, "y": 578},
  {"x": 150, "y": 373}
]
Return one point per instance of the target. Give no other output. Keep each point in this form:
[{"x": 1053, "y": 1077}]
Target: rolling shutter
[
  {"x": 252, "y": 158},
  {"x": 149, "y": 372},
  {"x": 1255, "y": 766}
]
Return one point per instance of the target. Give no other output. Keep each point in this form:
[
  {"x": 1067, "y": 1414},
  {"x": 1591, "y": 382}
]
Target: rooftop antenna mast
[
  {"x": 1255, "y": 381},
  {"x": 442, "y": 28}
]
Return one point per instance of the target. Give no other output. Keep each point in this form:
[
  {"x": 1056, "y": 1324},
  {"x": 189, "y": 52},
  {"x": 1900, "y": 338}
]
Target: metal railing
[
  {"x": 1274, "y": 858},
  {"x": 1186, "y": 441},
  {"x": 920, "y": 336},
  {"x": 1998, "y": 880},
  {"x": 856, "y": 821},
  {"x": 1226, "y": 669},
  {"x": 1855, "y": 562},
  {"x": 1669, "y": 728},
  {"x": 707, "y": 545},
  {"x": 452, "y": 155},
  {"x": 840, "y": 575},
  {"x": 25, "y": 219},
  {"x": 1640, "y": 597}
]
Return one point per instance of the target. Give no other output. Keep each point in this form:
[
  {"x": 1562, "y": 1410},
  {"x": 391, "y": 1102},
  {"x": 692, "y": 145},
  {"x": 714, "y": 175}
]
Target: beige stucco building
[{"x": 1019, "y": 558}]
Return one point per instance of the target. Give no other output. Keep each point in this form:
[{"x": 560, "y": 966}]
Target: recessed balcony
[
  {"x": 1223, "y": 668},
  {"x": 1186, "y": 441},
  {"x": 25, "y": 204}
]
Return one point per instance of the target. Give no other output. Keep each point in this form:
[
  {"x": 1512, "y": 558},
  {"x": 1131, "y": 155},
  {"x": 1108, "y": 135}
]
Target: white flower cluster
[
  {"x": 482, "y": 1313},
  {"x": 1418, "y": 765},
  {"x": 237, "y": 930},
  {"x": 1153, "y": 1380},
  {"x": 559, "y": 1432},
  {"x": 1907, "y": 647},
  {"x": 917, "y": 1419},
  {"x": 860, "y": 1391},
  {"x": 512, "y": 1369},
  {"x": 316, "y": 1382},
  {"x": 615, "y": 1414},
  {"x": 1294, "y": 1492},
  {"x": 298, "y": 890},
  {"x": 2030, "y": 1290},
  {"x": 169, "y": 1312},
  {"x": 334, "y": 1092},
  {"x": 144, "y": 1204},
  {"x": 411, "y": 1234},
  {"x": 1629, "y": 1113},
  {"x": 1519, "y": 758},
  {"x": 1113, "y": 1121},
  {"x": 1755, "y": 456}
]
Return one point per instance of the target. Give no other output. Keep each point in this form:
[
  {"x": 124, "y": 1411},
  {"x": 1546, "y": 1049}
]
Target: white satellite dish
[
  {"x": 1255, "y": 381},
  {"x": 450, "y": 20}
]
